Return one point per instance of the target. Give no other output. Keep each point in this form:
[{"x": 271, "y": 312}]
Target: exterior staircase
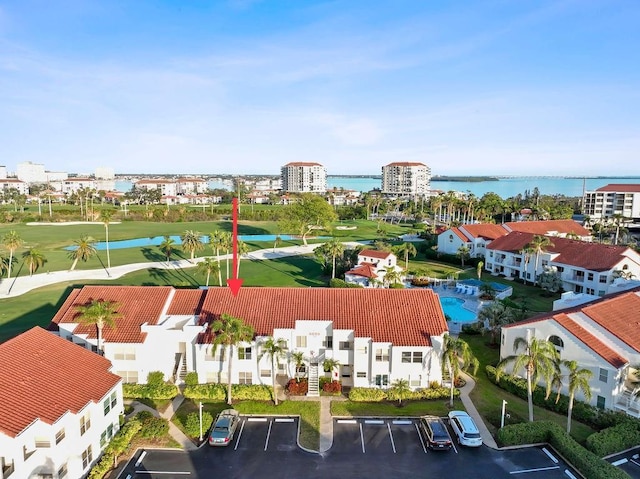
[
  {"x": 313, "y": 381},
  {"x": 183, "y": 369}
]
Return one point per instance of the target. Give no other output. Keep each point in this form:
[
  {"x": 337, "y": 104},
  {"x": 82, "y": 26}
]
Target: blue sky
[{"x": 500, "y": 87}]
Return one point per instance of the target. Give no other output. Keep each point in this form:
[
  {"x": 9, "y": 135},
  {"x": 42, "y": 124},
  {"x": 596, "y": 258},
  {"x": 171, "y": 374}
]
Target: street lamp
[
  {"x": 504, "y": 408},
  {"x": 200, "y": 421}
]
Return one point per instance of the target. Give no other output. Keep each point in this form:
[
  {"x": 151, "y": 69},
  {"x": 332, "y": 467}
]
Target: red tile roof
[
  {"x": 137, "y": 305},
  {"x": 548, "y": 226},
  {"x": 186, "y": 302},
  {"x": 597, "y": 346},
  {"x": 366, "y": 270},
  {"x": 44, "y": 376},
  {"x": 372, "y": 253},
  {"x": 404, "y": 317},
  {"x": 581, "y": 254},
  {"x": 622, "y": 188},
  {"x": 459, "y": 234},
  {"x": 620, "y": 317},
  {"x": 488, "y": 231}
]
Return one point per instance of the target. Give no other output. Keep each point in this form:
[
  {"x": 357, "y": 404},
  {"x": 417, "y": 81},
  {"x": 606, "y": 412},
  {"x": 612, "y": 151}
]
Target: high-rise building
[
  {"x": 612, "y": 199},
  {"x": 406, "y": 179},
  {"x": 304, "y": 177}
]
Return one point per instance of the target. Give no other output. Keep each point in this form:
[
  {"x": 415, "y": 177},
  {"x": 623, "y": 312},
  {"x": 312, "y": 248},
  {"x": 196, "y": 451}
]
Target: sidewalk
[
  {"x": 487, "y": 438},
  {"x": 326, "y": 420}
]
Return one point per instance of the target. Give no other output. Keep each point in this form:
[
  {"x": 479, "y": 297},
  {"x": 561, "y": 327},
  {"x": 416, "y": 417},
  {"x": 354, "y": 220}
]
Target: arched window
[{"x": 556, "y": 341}]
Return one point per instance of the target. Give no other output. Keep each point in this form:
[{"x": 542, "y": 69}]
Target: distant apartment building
[
  {"x": 304, "y": 177},
  {"x": 3, "y": 172},
  {"x": 7, "y": 184},
  {"x": 612, "y": 199},
  {"x": 104, "y": 173},
  {"x": 406, "y": 179},
  {"x": 35, "y": 173}
]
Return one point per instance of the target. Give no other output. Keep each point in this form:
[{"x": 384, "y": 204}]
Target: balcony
[{"x": 628, "y": 402}]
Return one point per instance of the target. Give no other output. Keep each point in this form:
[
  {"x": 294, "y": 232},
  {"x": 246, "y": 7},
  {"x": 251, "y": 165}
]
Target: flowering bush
[{"x": 297, "y": 387}]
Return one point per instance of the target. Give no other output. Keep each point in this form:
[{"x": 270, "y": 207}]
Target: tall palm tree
[
  {"x": 4, "y": 264},
  {"x": 538, "y": 245},
  {"x": 208, "y": 266},
  {"x": 12, "y": 241},
  {"x": 243, "y": 249},
  {"x": 101, "y": 313},
  {"x": 494, "y": 315},
  {"x": 168, "y": 246},
  {"x": 227, "y": 244},
  {"x": 578, "y": 380},
  {"x": 227, "y": 332},
  {"x": 276, "y": 349},
  {"x": 105, "y": 217},
  {"x": 457, "y": 355},
  {"x": 216, "y": 240},
  {"x": 34, "y": 260},
  {"x": 407, "y": 249},
  {"x": 334, "y": 248},
  {"x": 84, "y": 250},
  {"x": 391, "y": 275},
  {"x": 539, "y": 359},
  {"x": 192, "y": 242}
]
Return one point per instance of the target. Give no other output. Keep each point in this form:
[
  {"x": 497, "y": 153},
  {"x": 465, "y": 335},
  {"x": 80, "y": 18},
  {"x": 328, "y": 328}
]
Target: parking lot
[
  {"x": 374, "y": 448},
  {"x": 629, "y": 462}
]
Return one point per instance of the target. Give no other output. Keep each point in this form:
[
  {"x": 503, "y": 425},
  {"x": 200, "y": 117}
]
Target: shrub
[
  {"x": 214, "y": 392},
  {"x": 367, "y": 395},
  {"x": 119, "y": 444},
  {"x": 218, "y": 392},
  {"x": 251, "y": 392},
  {"x": 192, "y": 423},
  {"x": 191, "y": 379},
  {"x": 149, "y": 391},
  {"x": 155, "y": 378},
  {"x": 297, "y": 387},
  {"x": 396, "y": 286},
  {"x": 154, "y": 427},
  {"x": 435, "y": 393},
  {"x": 615, "y": 439},
  {"x": 334, "y": 387},
  {"x": 337, "y": 283}
]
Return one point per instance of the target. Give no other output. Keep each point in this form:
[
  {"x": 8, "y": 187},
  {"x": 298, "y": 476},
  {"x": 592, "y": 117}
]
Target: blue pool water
[
  {"x": 453, "y": 308},
  {"x": 157, "y": 240}
]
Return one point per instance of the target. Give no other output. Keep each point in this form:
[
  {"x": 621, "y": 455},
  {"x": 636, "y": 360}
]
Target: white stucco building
[
  {"x": 59, "y": 407},
  {"x": 409, "y": 179},
  {"x": 303, "y": 177},
  {"x": 377, "y": 335},
  {"x": 603, "y": 336},
  {"x": 7, "y": 184},
  {"x": 372, "y": 267},
  {"x": 612, "y": 199}
]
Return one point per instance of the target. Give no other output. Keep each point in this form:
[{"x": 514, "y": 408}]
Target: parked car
[
  {"x": 435, "y": 433},
  {"x": 224, "y": 427},
  {"x": 465, "y": 429}
]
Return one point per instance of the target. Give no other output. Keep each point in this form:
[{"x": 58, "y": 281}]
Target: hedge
[
  {"x": 117, "y": 446},
  {"x": 218, "y": 392},
  {"x": 615, "y": 439},
  {"x": 586, "y": 462},
  {"x": 192, "y": 423},
  {"x": 360, "y": 394},
  {"x": 149, "y": 391}
]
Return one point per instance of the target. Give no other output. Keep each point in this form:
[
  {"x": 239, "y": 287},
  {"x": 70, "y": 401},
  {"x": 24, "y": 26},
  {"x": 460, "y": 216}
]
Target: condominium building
[
  {"x": 612, "y": 199},
  {"x": 304, "y": 177},
  {"x": 406, "y": 179}
]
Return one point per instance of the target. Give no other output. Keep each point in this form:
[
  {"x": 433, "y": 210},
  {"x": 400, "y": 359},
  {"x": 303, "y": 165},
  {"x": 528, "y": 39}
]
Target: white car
[{"x": 465, "y": 429}]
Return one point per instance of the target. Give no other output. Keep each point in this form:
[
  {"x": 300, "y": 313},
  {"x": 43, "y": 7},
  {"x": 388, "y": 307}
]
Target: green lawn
[{"x": 386, "y": 408}]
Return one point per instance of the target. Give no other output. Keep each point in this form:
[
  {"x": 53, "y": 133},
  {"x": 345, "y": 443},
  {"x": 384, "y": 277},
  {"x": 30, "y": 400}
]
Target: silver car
[{"x": 224, "y": 427}]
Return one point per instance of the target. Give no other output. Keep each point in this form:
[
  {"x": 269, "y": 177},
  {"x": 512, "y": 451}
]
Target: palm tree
[
  {"x": 101, "y": 313},
  {"x": 276, "y": 349},
  {"x": 391, "y": 275},
  {"x": 329, "y": 365},
  {"x": 495, "y": 315},
  {"x": 578, "y": 380},
  {"x": 400, "y": 388},
  {"x": 243, "y": 249},
  {"x": 216, "y": 240},
  {"x": 105, "y": 217},
  {"x": 538, "y": 245},
  {"x": 4, "y": 264},
  {"x": 334, "y": 248},
  {"x": 34, "y": 260},
  {"x": 168, "y": 246},
  {"x": 12, "y": 241},
  {"x": 227, "y": 244},
  {"x": 192, "y": 242},
  {"x": 299, "y": 360},
  {"x": 84, "y": 250},
  {"x": 539, "y": 359},
  {"x": 227, "y": 332},
  {"x": 479, "y": 267},
  {"x": 208, "y": 266},
  {"x": 456, "y": 353},
  {"x": 407, "y": 249},
  {"x": 276, "y": 242},
  {"x": 463, "y": 253}
]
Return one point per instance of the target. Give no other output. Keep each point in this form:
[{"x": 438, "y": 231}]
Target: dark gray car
[{"x": 435, "y": 433}]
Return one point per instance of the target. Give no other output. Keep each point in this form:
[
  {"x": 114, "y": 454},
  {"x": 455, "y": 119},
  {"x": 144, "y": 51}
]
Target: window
[
  {"x": 417, "y": 356},
  {"x": 265, "y": 373},
  {"x": 601, "y": 402},
  {"x": 346, "y": 370},
  {"x": 42, "y": 442},
  {"x": 328, "y": 342},
  {"x": 412, "y": 356},
  {"x": 281, "y": 368},
  {"x": 602, "y": 279},
  {"x": 362, "y": 350},
  {"x": 604, "y": 375},
  {"x": 361, "y": 375},
  {"x": 87, "y": 458},
  {"x": 382, "y": 379},
  {"x": 59, "y": 436},
  {"x": 114, "y": 399},
  {"x": 406, "y": 356},
  {"x": 345, "y": 345},
  {"x": 301, "y": 341},
  {"x": 126, "y": 353},
  {"x": 85, "y": 423},
  {"x": 556, "y": 341},
  {"x": 244, "y": 353},
  {"x": 217, "y": 355},
  {"x": 382, "y": 354},
  {"x": 589, "y": 276},
  {"x": 415, "y": 382},
  {"x": 130, "y": 377},
  {"x": 106, "y": 435},
  {"x": 110, "y": 403},
  {"x": 244, "y": 378}
]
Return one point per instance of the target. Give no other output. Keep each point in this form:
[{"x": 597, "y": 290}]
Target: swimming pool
[
  {"x": 454, "y": 309},
  {"x": 157, "y": 240}
]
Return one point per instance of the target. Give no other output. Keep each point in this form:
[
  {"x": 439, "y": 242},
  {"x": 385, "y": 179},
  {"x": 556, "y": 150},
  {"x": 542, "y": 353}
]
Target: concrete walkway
[
  {"x": 487, "y": 438},
  {"x": 326, "y": 420}
]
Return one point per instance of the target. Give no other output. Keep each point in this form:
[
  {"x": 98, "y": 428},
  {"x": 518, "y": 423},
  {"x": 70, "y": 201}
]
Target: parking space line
[
  {"x": 538, "y": 469},
  {"x": 139, "y": 461},
  {"x": 424, "y": 448},
  {"x": 635, "y": 462},
  {"x": 402, "y": 422},
  {"x": 362, "y": 438},
  {"x": 179, "y": 473},
  {"x": 239, "y": 434},
  {"x": 373, "y": 421},
  {"x": 546, "y": 451},
  {"x": 266, "y": 442},
  {"x": 393, "y": 445},
  {"x": 347, "y": 421},
  {"x": 257, "y": 419},
  {"x": 568, "y": 473},
  {"x": 285, "y": 419},
  {"x": 619, "y": 462}
]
